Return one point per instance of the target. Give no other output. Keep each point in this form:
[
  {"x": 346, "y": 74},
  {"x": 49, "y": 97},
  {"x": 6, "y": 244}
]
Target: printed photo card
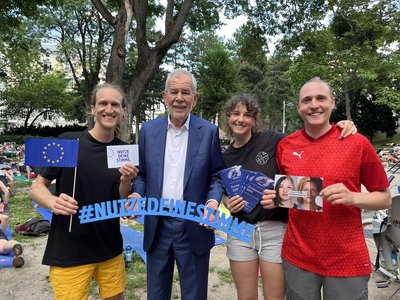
[{"x": 300, "y": 192}]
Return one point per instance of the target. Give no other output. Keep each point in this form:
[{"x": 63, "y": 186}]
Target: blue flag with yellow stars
[{"x": 51, "y": 152}]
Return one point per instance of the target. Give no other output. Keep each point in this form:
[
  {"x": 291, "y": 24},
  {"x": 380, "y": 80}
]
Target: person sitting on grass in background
[
  {"x": 8, "y": 180},
  {"x": 8, "y": 246},
  {"x": 5, "y": 197}
]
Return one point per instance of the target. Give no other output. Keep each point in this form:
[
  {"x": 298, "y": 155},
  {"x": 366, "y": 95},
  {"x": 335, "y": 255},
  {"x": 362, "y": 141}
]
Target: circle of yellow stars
[{"x": 50, "y": 145}]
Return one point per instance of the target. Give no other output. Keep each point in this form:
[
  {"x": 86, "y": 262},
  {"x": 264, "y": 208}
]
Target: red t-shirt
[{"x": 330, "y": 243}]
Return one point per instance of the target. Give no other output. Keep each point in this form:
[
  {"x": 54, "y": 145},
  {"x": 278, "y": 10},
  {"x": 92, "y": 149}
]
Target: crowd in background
[{"x": 12, "y": 168}]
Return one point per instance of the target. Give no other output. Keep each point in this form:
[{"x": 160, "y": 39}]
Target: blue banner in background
[{"x": 51, "y": 152}]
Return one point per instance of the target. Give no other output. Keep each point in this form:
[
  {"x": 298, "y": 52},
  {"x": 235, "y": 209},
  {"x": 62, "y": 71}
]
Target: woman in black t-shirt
[{"x": 254, "y": 151}]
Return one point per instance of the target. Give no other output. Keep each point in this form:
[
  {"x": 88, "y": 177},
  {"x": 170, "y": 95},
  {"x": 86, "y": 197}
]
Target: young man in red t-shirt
[{"x": 327, "y": 249}]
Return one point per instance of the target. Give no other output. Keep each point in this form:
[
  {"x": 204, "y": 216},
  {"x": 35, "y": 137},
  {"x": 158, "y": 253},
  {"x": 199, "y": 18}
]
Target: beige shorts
[{"x": 266, "y": 243}]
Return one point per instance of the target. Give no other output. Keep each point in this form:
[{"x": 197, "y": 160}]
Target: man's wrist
[{"x": 212, "y": 201}]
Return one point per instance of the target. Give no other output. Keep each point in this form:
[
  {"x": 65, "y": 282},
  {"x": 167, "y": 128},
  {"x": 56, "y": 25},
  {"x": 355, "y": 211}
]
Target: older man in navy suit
[{"x": 180, "y": 157}]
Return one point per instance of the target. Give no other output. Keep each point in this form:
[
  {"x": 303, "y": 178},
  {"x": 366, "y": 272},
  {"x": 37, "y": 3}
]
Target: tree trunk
[
  {"x": 148, "y": 59},
  {"x": 347, "y": 100},
  {"x": 126, "y": 125},
  {"x": 116, "y": 63}
]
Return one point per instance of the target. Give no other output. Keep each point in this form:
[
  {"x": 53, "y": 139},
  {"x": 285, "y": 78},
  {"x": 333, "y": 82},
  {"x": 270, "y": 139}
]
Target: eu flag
[{"x": 51, "y": 152}]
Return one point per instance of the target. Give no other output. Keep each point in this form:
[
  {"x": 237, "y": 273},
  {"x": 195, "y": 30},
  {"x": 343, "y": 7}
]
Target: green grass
[
  {"x": 21, "y": 209},
  {"x": 225, "y": 275},
  {"x": 380, "y": 142}
]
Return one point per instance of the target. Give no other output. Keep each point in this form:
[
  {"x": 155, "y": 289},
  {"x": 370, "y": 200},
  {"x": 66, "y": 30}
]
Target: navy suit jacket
[{"x": 201, "y": 179}]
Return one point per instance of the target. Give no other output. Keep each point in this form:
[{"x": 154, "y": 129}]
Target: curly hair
[{"x": 252, "y": 106}]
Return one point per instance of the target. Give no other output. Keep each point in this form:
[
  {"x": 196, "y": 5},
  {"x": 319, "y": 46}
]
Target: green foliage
[
  {"x": 366, "y": 109},
  {"x": 29, "y": 99},
  {"x": 13, "y": 12},
  {"x": 21, "y": 53},
  {"x": 83, "y": 39},
  {"x": 18, "y": 139},
  {"x": 250, "y": 45},
  {"x": 43, "y": 131},
  {"x": 263, "y": 77},
  {"x": 354, "y": 52},
  {"x": 217, "y": 77},
  {"x": 286, "y": 17},
  {"x": 204, "y": 15},
  {"x": 274, "y": 91}
]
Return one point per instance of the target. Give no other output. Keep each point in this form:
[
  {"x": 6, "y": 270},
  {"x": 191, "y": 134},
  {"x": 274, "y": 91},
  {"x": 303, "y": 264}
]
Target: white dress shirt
[{"x": 175, "y": 160}]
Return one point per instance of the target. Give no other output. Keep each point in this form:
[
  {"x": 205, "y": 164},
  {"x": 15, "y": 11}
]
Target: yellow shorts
[{"x": 74, "y": 282}]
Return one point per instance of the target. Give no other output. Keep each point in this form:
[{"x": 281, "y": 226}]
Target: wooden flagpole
[{"x": 73, "y": 189}]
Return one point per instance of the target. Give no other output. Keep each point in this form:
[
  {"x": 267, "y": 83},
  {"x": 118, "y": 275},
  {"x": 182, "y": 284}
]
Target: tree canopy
[
  {"x": 352, "y": 45},
  {"x": 30, "y": 99}
]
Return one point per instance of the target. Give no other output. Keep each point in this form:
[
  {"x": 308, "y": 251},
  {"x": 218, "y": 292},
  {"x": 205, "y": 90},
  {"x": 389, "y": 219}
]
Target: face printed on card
[{"x": 300, "y": 192}]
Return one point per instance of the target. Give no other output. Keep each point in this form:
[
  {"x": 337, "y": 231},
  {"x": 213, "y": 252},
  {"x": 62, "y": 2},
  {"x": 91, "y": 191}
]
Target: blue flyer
[
  {"x": 253, "y": 191},
  {"x": 248, "y": 184},
  {"x": 231, "y": 178}
]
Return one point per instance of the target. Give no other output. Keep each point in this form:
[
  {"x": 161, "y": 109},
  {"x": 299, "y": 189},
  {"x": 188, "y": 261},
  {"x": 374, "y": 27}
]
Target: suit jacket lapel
[
  {"x": 194, "y": 142},
  {"x": 159, "y": 139}
]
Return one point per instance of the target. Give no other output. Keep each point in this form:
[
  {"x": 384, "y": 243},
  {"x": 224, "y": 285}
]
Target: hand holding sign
[
  {"x": 119, "y": 155},
  {"x": 128, "y": 172}
]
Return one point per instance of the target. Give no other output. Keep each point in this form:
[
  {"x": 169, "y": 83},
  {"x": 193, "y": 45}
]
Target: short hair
[
  {"x": 252, "y": 107},
  {"x": 317, "y": 80},
  {"x": 181, "y": 71},
  {"x": 100, "y": 86}
]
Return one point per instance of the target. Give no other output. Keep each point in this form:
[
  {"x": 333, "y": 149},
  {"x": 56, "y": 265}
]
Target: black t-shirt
[
  {"x": 258, "y": 154},
  {"x": 95, "y": 182}
]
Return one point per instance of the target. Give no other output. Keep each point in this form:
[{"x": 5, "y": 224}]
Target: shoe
[
  {"x": 18, "y": 262},
  {"x": 17, "y": 249}
]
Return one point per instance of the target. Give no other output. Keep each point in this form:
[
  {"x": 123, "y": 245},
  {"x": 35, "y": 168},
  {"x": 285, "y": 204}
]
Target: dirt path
[{"x": 31, "y": 281}]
